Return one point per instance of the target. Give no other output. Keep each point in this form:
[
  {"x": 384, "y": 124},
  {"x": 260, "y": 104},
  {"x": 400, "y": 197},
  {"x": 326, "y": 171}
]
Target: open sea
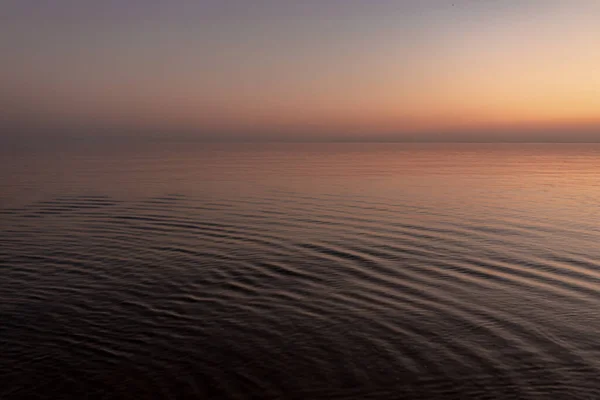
[{"x": 300, "y": 271}]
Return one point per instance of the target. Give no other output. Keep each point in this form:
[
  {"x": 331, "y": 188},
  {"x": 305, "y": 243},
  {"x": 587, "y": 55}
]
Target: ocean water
[{"x": 300, "y": 271}]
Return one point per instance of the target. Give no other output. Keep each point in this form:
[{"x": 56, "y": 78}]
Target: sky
[{"x": 481, "y": 70}]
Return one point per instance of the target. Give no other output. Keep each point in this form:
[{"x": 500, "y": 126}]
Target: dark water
[{"x": 300, "y": 272}]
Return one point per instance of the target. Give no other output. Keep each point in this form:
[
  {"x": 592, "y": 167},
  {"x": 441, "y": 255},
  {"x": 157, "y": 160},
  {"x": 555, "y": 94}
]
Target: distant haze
[{"x": 373, "y": 70}]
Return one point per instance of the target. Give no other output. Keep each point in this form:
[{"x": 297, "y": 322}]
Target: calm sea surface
[{"x": 300, "y": 271}]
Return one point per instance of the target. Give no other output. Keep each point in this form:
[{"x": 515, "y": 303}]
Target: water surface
[{"x": 300, "y": 271}]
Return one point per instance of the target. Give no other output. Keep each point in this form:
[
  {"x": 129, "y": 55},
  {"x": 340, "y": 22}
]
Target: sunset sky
[{"x": 313, "y": 69}]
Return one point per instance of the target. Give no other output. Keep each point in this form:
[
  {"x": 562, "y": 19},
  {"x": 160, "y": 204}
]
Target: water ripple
[{"x": 292, "y": 293}]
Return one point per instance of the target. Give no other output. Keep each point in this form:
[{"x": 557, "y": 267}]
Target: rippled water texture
[{"x": 337, "y": 271}]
